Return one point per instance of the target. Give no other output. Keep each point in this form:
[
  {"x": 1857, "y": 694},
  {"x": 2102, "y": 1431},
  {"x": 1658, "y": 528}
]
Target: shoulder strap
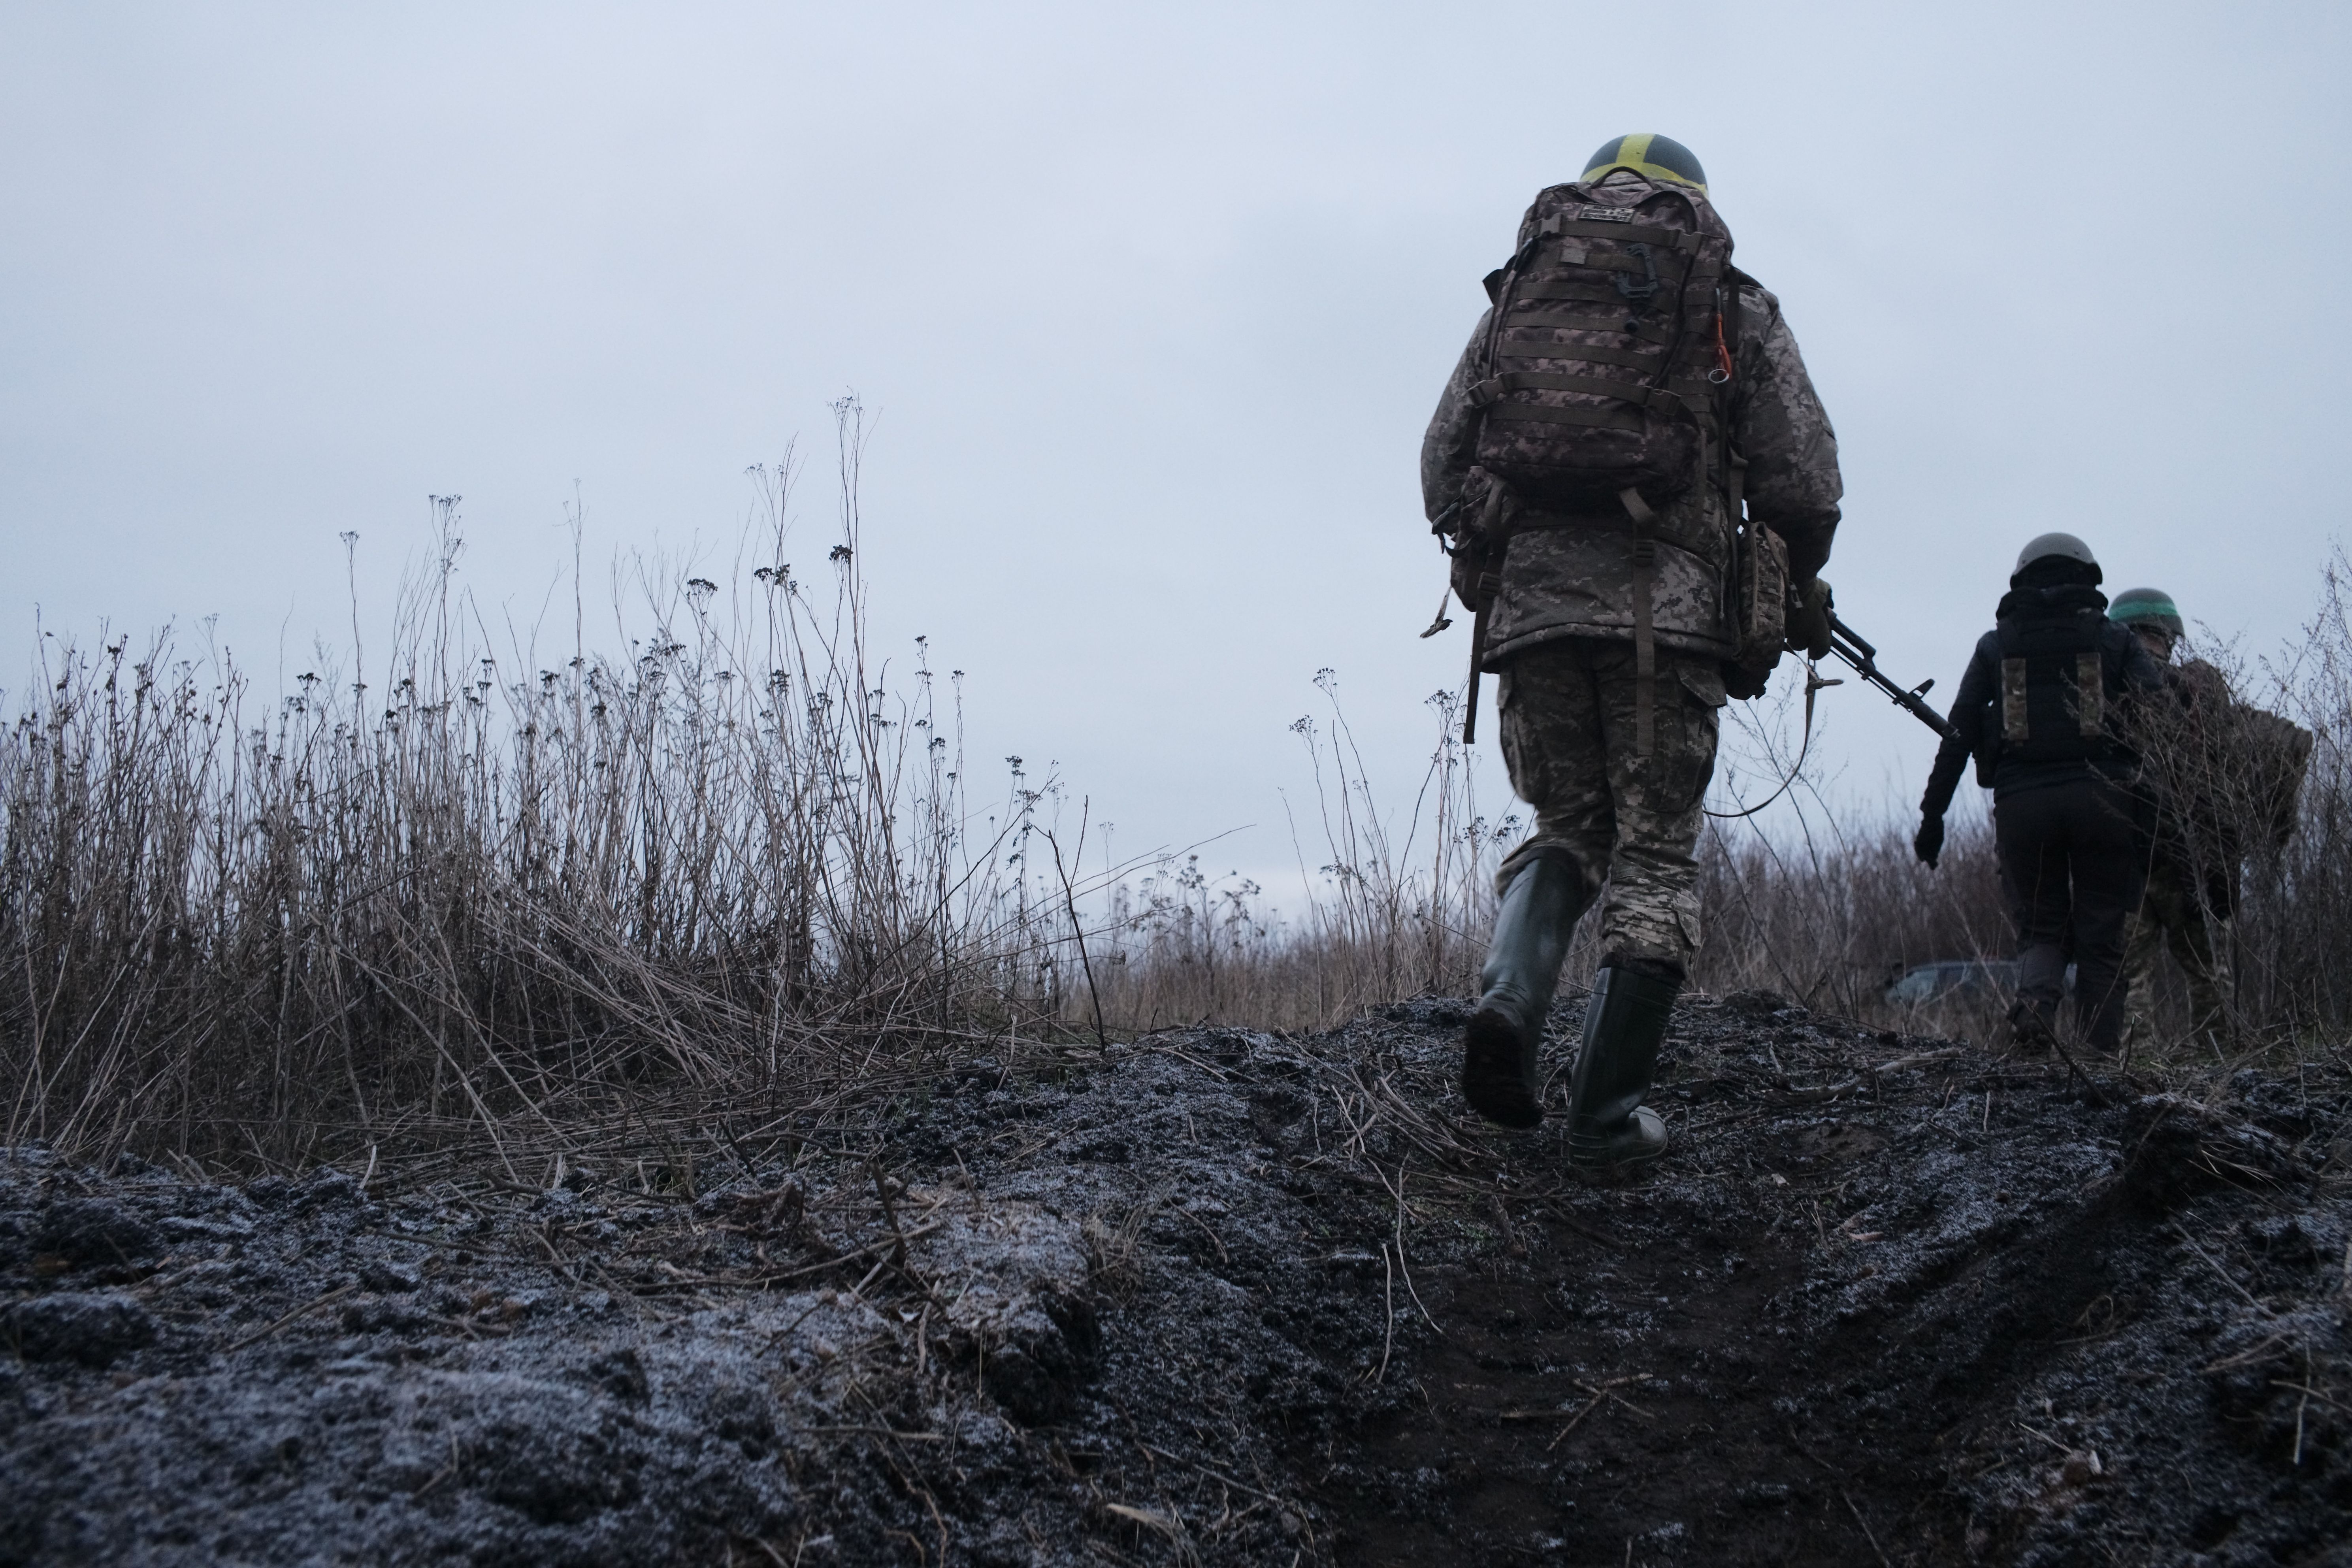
[{"x": 1646, "y": 642}]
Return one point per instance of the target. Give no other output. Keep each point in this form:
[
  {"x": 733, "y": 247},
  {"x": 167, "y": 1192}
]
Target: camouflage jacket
[{"x": 1561, "y": 581}]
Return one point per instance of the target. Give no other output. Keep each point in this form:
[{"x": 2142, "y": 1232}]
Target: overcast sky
[{"x": 1151, "y": 306}]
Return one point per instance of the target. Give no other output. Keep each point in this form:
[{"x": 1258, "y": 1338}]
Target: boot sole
[
  {"x": 1616, "y": 1159},
  {"x": 1493, "y": 1079}
]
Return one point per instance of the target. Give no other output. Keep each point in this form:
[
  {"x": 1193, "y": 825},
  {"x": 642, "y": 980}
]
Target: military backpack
[{"x": 1608, "y": 358}]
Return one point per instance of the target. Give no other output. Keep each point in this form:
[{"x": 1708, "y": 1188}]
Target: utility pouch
[{"x": 1760, "y": 599}]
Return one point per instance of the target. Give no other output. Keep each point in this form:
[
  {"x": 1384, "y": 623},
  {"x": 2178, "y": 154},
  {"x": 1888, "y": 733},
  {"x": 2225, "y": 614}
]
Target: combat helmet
[
  {"x": 2137, "y": 608},
  {"x": 2055, "y": 546},
  {"x": 1650, "y": 155}
]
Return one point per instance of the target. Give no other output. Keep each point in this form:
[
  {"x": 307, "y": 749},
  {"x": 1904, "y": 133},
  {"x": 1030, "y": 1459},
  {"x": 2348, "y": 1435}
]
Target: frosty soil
[{"x": 1229, "y": 1298}]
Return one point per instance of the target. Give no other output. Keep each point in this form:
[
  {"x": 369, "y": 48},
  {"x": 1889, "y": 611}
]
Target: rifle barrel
[{"x": 1861, "y": 657}]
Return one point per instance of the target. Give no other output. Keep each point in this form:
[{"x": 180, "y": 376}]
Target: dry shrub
[
  {"x": 1825, "y": 906},
  {"x": 465, "y": 898},
  {"x": 1395, "y": 907},
  {"x": 466, "y": 891}
]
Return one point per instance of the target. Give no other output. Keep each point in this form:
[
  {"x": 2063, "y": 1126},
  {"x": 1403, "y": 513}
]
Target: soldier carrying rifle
[
  {"x": 2051, "y": 707},
  {"x": 1637, "y": 482}
]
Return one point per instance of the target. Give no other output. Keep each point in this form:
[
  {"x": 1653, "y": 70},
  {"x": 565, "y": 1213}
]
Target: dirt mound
[{"x": 1229, "y": 1298}]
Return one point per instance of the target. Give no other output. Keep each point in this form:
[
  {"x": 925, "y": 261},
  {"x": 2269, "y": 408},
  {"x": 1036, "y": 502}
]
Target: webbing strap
[
  {"x": 1573, "y": 254},
  {"x": 1682, "y": 392},
  {"x": 1549, "y": 380},
  {"x": 1681, "y": 239},
  {"x": 1527, "y": 348},
  {"x": 1579, "y": 289},
  {"x": 1615, "y": 324},
  {"x": 1598, "y": 418},
  {"x": 1645, "y": 644},
  {"x": 1576, "y": 256}
]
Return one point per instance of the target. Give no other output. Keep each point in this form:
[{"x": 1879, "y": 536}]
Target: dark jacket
[{"x": 2128, "y": 674}]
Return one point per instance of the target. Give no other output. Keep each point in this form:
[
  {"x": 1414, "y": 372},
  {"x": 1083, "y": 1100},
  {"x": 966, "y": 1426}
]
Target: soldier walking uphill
[
  {"x": 1633, "y": 467},
  {"x": 2185, "y": 903},
  {"x": 2225, "y": 775},
  {"x": 2043, "y": 709}
]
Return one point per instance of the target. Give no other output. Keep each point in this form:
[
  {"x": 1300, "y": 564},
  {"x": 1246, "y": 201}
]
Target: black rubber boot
[
  {"x": 1523, "y": 959},
  {"x": 2040, "y": 985},
  {"x": 1624, "y": 1023}
]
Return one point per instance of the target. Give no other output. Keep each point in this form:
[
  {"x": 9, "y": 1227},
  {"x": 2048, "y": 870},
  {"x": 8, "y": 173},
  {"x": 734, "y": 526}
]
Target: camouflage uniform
[
  {"x": 2170, "y": 914},
  {"x": 1562, "y": 630},
  {"x": 2175, "y": 912}
]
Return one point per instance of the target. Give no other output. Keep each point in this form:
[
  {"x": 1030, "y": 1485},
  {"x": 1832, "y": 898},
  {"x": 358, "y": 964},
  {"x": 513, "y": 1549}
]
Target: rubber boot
[
  {"x": 1523, "y": 958},
  {"x": 1624, "y": 1023},
  {"x": 2041, "y": 985}
]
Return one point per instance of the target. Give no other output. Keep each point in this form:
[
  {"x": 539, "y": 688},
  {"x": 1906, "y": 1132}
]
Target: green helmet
[
  {"x": 1650, "y": 155},
  {"x": 2137, "y": 608},
  {"x": 2063, "y": 546}
]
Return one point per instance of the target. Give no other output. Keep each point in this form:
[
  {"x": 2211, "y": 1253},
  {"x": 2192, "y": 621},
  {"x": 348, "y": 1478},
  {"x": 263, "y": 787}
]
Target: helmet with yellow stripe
[{"x": 1648, "y": 155}]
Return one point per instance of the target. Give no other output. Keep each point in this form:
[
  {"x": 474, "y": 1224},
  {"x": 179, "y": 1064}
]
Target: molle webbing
[
  {"x": 1493, "y": 387},
  {"x": 1702, "y": 273},
  {"x": 1580, "y": 289},
  {"x": 1682, "y": 241},
  {"x": 1613, "y": 322},
  {"x": 1537, "y": 414},
  {"x": 1525, "y": 347},
  {"x": 1632, "y": 285}
]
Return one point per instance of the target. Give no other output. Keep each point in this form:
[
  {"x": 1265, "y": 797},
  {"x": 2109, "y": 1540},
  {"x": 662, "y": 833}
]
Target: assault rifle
[{"x": 1849, "y": 649}]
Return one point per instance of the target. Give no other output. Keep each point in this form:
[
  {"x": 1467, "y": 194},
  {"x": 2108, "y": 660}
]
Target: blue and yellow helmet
[{"x": 1649, "y": 154}]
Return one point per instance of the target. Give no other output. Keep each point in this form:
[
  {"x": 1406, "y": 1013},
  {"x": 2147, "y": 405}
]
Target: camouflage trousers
[
  {"x": 1630, "y": 822},
  {"x": 2169, "y": 916}
]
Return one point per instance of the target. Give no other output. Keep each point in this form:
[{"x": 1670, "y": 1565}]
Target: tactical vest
[
  {"x": 1608, "y": 360},
  {"x": 2054, "y": 686}
]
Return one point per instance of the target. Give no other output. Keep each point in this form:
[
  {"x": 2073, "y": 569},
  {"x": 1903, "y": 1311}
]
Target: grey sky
[{"x": 1152, "y": 306}]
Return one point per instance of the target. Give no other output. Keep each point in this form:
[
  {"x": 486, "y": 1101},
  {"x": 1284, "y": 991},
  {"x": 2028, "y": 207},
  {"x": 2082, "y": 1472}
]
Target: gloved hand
[
  {"x": 1742, "y": 685},
  {"x": 1809, "y": 619},
  {"x": 1928, "y": 843}
]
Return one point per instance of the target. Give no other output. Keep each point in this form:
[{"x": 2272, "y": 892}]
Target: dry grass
[
  {"x": 466, "y": 896},
  {"x": 467, "y": 889}
]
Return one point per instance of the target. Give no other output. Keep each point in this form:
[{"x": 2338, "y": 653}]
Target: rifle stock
[
  {"x": 1488, "y": 541},
  {"x": 1854, "y": 652}
]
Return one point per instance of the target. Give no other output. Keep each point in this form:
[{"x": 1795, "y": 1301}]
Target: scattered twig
[
  {"x": 1511, "y": 1242},
  {"x": 1222, "y": 1255},
  {"x": 890, "y": 1432},
  {"x": 337, "y": 1294},
  {"x": 1866, "y": 1534},
  {"x": 1602, "y": 1394},
  {"x": 2302, "y": 1406},
  {"x": 2226, "y": 1279},
  {"x": 890, "y": 1214}
]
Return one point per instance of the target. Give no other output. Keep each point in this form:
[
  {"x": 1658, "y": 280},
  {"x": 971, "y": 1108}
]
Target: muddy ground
[{"x": 1232, "y": 1299}]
